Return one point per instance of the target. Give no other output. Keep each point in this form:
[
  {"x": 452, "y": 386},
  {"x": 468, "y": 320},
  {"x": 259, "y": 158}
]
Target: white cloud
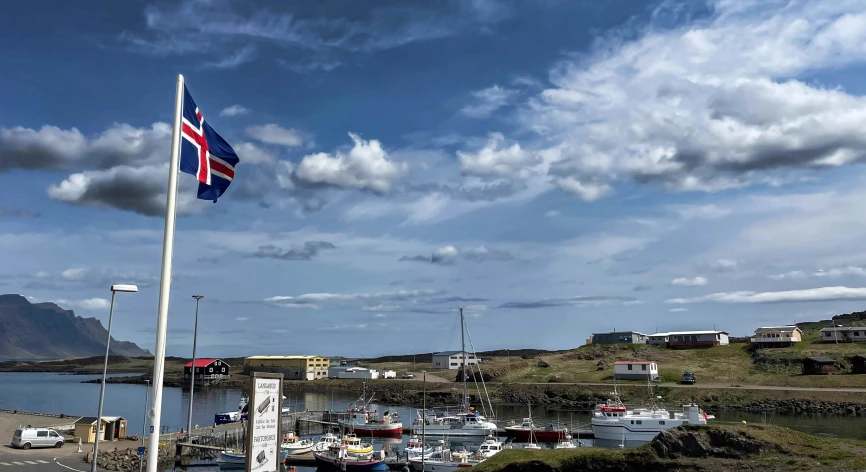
[
  {"x": 241, "y": 56},
  {"x": 806, "y": 295},
  {"x": 74, "y": 274},
  {"x": 380, "y": 315},
  {"x": 90, "y": 304},
  {"x": 315, "y": 300},
  {"x": 366, "y": 166},
  {"x": 686, "y": 282},
  {"x": 487, "y": 101},
  {"x": 709, "y": 105},
  {"x": 678, "y": 310},
  {"x": 724, "y": 265},
  {"x": 234, "y": 110},
  {"x": 250, "y": 153},
  {"x": 241, "y": 318},
  {"x": 494, "y": 159},
  {"x": 691, "y": 212},
  {"x": 275, "y": 134},
  {"x": 821, "y": 273}
]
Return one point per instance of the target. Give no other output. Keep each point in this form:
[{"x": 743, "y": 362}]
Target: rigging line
[{"x": 480, "y": 374}]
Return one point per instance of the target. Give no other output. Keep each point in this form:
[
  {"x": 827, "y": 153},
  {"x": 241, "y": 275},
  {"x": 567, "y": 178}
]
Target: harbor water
[{"x": 59, "y": 393}]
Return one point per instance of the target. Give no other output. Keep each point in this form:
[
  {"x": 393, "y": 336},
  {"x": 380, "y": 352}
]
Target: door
[
  {"x": 42, "y": 439},
  {"x": 54, "y": 438}
]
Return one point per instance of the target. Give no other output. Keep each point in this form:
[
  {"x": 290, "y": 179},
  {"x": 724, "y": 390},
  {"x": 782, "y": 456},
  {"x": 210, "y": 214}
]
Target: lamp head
[
  {"x": 198, "y": 297},
  {"x": 124, "y": 288}
]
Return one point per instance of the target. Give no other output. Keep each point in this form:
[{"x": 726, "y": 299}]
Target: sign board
[
  {"x": 264, "y": 422},
  {"x": 140, "y": 452}
]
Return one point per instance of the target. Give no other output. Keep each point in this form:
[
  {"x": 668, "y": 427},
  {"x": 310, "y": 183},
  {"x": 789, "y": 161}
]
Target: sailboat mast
[{"x": 463, "y": 355}]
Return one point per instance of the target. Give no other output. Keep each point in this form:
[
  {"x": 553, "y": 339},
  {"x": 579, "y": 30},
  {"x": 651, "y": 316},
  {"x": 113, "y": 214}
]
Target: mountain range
[{"x": 47, "y": 331}]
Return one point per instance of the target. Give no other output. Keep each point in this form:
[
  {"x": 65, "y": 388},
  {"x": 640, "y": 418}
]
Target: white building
[
  {"x": 389, "y": 374},
  {"x": 844, "y": 334},
  {"x": 635, "y": 370},
  {"x": 352, "y": 372},
  {"x": 452, "y": 359},
  {"x": 689, "y": 339}
]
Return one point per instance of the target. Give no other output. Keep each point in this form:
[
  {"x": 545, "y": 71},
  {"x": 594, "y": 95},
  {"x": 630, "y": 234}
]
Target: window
[
  {"x": 643, "y": 367},
  {"x": 661, "y": 422},
  {"x": 827, "y": 334},
  {"x": 54, "y": 435},
  {"x": 639, "y": 422},
  {"x": 453, "y": 364},
  {"x": 41, "y": 434},
  {"x": 629, "y": 367},
  {"x": 856, "y": 333},
  {"x": 210, "y": 369}
]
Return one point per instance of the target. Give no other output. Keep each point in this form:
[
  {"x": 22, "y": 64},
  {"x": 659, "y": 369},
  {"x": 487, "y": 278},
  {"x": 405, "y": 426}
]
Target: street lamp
[
  {"x": 143, "y": 422},
  {"x": 192, "y": 369},
  {"x": 114, "y": 289}
]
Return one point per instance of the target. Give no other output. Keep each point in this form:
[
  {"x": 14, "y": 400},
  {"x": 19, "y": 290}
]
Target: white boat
[
  {"x": 368, "y": 423},
  {"x": 327, "y": 440},
  {"x": 233, "y": 456},
  {"x": 295, "y": 446},
  {"x": 460, "y": 424},
  {"x": 489, "y": 448},
  {"x": 615, "y": 422},
  {"x": 415, "y": 448},
  {"x": 442, "y": 459},
  {"x": 232, "y": 416},
  {"x": 565, "y": 443}
]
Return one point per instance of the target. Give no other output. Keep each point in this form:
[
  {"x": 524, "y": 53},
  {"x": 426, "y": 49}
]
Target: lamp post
[
  {"x": 192, "y": 368},
  {"x": 114, "y": 289},
  {"x": 143, "y": 422}
]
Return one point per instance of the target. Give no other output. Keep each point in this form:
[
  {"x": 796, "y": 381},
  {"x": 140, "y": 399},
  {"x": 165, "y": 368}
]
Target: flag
[{"x": 204, "y": 153}]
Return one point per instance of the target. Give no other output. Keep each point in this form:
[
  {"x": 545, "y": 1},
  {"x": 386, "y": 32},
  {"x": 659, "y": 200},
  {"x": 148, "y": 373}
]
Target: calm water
[{"x": 56, "y": 393}]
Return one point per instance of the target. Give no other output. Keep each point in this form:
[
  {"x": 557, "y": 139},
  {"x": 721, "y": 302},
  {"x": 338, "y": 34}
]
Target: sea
[{"x": 63, "y": 393}]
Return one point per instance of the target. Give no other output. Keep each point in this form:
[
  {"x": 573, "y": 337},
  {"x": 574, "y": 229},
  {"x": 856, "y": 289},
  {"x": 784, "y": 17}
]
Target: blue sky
[{"x": 554, "y": 167}]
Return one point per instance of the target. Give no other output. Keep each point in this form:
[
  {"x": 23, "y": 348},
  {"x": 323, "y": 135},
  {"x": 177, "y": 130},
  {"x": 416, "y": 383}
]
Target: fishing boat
[
  {"x": 490, "y": 447},
  {"x": 442, "y": 459},
  {"x": 614, "y": 421},
  {"x": 232, "y": 416},
  {"x": 353, "y": 444},
  {"x": 339, "y": 458},
  {"x": 367, "y": 422},
  {"x": 415, "y": 447},
  {"x": 565, "y": 443},
  {"x": 295, "y": 446},
  {"x": 327, "y": 440},
  {"x": 527, "y": 428},
  {"x": 467, "y": 422}
]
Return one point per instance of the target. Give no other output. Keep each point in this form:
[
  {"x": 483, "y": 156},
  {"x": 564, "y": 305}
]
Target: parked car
[
  {"x": 25, "y": 438},
  {"x": 408, "y": 375},
  {"x": 688, "y": 377}
]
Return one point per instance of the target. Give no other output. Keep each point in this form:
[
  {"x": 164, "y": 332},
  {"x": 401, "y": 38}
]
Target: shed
[
  {"x": 818, "y": 366},
  {"x": 635, "y": 370},
  {"x": 858, "y": 364},
  {"x": 113, "y": 428}
]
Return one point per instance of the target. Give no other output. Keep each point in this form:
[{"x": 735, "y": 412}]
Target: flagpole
[{"x": 165, "y": 282}]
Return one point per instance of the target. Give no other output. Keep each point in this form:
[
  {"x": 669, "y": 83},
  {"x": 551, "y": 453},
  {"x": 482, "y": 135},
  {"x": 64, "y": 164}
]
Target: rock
[
  {"x": 543, "y": 364},
  {"x": 554, "y": 378}
]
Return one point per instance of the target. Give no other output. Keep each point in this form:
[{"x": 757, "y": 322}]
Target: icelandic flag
[{"x": 204, "y": 153}]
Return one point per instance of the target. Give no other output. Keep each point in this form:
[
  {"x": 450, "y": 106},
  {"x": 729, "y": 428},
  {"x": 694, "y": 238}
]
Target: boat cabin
[{"x": 612, "y": 411}]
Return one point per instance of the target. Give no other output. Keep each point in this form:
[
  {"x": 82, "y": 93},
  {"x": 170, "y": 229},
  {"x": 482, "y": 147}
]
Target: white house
[
  {"x": 352, "y": 372},
  {"x": 689, "y": 339},
  {"x": 635, "y": 370},
  {"x": 452, "y": 359},
  {"x": 844, "y": 334},
  {"x": 776, "y": 336}
]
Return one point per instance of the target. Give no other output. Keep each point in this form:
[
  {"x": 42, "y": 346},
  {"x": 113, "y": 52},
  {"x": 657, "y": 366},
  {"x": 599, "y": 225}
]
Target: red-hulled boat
[
  {"x": 541, "y": 434},
  {"x": 366, "y": 423}
]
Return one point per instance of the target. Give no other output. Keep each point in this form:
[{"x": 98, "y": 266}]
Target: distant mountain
[{"x": 46, "y": 331}]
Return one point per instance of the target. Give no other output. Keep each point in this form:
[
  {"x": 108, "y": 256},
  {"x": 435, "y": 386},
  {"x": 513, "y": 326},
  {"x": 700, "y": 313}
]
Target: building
[
  {"x": 452, "y": 359},
  {"x": 818, "y": 365},
  {"x": 694, "y": 339},
  {"x": 776, "y": 336},
  {"x": 352, "y": 372},
  {"x": 619, "y": 337},
  {"x": 389, "y": 374},
  {"x": 635, "y": 370},
  {"x": 292, "y": 367},
  {"x": 844, "y": 334},
  {"x": 113, "y": 428},
  {"x": 206, "y": 370},
  {"x": 658, "y": 339},
  {"x": 858, "y": 364}
]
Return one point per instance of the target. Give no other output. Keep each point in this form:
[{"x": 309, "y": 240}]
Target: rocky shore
[{"x": 126, "y": 460}]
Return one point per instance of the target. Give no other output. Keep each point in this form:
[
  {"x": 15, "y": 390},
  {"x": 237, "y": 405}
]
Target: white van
[{"x": 25, "y": 438}]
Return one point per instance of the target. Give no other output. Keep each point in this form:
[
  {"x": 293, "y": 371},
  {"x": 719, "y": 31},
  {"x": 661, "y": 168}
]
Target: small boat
[
  {"x": 543, "y": 434},
  {"x": 232, "y": 416},
  {"x": 339, "y": 458},
  {"x": 442, "y": 459},
  {"x": 354, "y": 445},
  {"x": 415, "y": 448},
  {"x": 326, "y": 441},
  {"x": 295, "y": 446},
  {"x": 233, "y": 456},
  {"x": 367, "y": 422},
  {"x": 565, "y": 443},
  {"x": 490, "y": 447}
]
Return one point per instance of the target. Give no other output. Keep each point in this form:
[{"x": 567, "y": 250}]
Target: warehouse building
[{"x": 292, "y": 367}]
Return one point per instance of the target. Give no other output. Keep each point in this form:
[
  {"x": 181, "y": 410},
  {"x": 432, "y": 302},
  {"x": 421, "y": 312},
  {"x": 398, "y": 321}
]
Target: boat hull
[
  {"x": 297, "y": 451},
  {"x": 538, "y": 434},
  {"x": 434, "y": 430},
  {"x": 439, "y": 466},
  {"x": 373, "y": 430},
  {"x": 622, "y": 432},
  {"x": 326, "y": 461}
]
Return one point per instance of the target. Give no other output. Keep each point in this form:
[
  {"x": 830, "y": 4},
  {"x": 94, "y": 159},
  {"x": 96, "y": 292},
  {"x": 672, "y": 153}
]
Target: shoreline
[{"x": 827, "y": 402}]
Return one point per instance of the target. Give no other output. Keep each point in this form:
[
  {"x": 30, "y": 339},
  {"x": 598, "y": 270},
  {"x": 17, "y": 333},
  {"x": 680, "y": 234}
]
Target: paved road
[
  {"x": 715, "y": 386},
  {"x": 65, "y": 459},
  {"x": 430, "y": 377}
]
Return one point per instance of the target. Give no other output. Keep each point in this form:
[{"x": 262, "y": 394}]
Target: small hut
[
  {"x": 858, "y": 364},
  {"x": 818, "y": 366}
]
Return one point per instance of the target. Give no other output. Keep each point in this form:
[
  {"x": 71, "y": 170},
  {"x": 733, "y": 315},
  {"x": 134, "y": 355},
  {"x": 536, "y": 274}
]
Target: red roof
[
  {"x": 200, "y": 363},
  {"x": 631, "y": 362}
]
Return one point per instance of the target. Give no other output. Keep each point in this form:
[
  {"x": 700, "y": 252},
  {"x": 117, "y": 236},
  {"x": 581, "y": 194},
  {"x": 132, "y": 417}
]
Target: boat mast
[{"x": 463, "y": 365}]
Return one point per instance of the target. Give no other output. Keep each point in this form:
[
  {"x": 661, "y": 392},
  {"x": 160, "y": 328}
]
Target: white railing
[{"x": 768, "y": 339}]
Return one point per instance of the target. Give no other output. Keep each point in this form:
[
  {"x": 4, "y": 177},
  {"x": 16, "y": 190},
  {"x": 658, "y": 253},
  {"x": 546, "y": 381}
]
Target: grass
[{"x": 781, "y": 449}]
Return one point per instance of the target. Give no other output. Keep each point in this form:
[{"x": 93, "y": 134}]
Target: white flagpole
[{"x": 165, "y": 281}]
